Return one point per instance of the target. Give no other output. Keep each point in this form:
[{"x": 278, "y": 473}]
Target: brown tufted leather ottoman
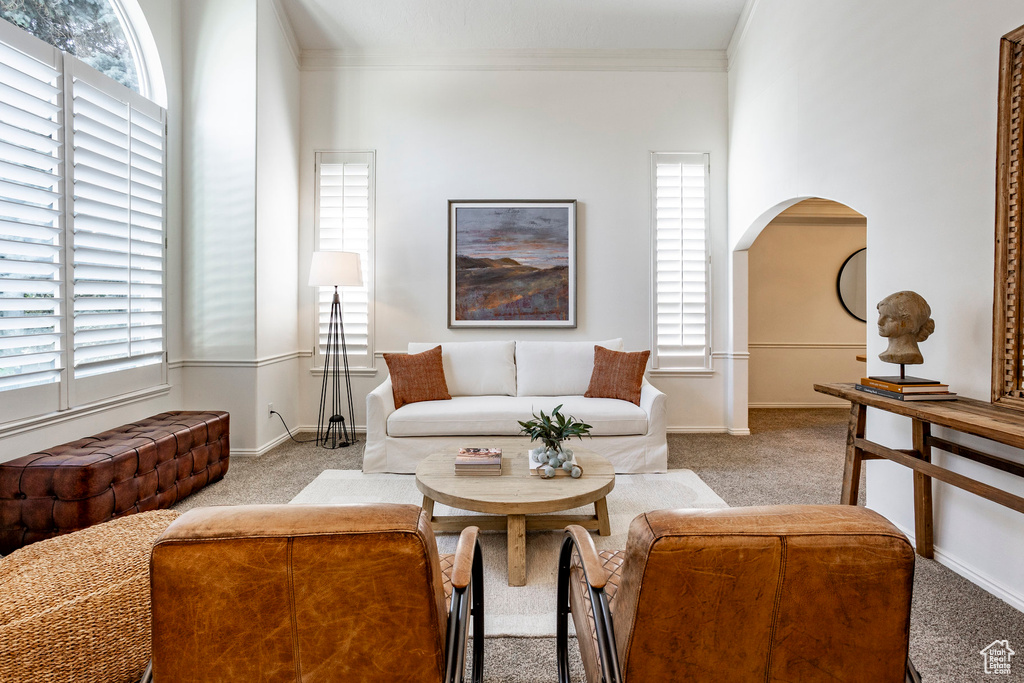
[{"x": 147, "y": 465}]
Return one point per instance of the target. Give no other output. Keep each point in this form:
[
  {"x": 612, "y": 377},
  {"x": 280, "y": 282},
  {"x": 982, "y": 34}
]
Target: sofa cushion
[
  {"x": 499, "y": 415},
  {"x": 417, "y": 377},
  {"x": 556, "y": 368},
  {"x": 477, "y": 368},
  {"x": 617, "y": 374}
]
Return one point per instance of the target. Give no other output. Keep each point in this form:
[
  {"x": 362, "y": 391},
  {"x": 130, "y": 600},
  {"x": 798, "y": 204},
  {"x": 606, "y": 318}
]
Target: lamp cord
[{"x": 290, "y": 435}]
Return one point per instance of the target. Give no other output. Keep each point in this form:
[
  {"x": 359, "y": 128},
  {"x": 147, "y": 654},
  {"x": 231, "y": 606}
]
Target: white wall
[
  {"x": 890, "y": 108},
  {"x": 800, "y": 334},
  {"x": 277, "y": 219},
  {"x": 219, "y": 64},
  {"x": 462, "y": 134},
  {"x": 240, "y": 277}
]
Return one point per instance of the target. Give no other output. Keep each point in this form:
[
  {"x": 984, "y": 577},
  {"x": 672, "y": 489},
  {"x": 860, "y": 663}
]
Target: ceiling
[{"x": 410, "y": 25}]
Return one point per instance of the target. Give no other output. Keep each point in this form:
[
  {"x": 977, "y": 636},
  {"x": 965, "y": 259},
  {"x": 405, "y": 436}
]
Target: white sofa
[{"x": 495, "y": 384}]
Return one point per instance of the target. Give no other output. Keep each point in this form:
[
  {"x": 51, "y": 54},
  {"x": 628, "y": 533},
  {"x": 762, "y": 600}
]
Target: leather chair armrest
[
  {"x": 465, "y": 551},
  {"x": 593, "y": 568},
  {"x": 578, "y": 538},
  {"x": 467, "y": 601}
]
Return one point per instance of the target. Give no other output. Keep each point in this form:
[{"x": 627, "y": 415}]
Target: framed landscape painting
[{"x": 512, "y": 263}]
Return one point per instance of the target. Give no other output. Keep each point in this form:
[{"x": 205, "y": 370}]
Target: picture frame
[{"x": 512, "y": 263}]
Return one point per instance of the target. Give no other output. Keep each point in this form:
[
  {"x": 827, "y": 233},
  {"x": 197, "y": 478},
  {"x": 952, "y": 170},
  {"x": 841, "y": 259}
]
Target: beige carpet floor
[
  {"x": 791, "y": 456},
  {"x": 521, "y": 610}
]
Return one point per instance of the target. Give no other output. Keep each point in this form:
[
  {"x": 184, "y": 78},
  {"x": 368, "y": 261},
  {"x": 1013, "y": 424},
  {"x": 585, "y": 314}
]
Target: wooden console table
[{"x": 963, "y": 415}]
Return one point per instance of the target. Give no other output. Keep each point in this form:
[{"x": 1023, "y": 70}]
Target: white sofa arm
[
  {"x": 654, "y": 403},
  {"x": 380, "y": 403}
]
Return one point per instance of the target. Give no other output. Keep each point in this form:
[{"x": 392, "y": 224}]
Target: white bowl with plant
[{"x": 551, "y": 430}]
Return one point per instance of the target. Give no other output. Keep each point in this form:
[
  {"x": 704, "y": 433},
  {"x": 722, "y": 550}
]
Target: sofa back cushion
[
  {"x": 477, "y": 368},
  {"x": 545, "y": 368}
]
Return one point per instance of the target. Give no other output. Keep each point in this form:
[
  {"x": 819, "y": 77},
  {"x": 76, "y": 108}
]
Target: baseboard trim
[
  {"x": 738, "y": 432},
  {"x": 256, "y": 452},
  {"x": 697, "y": 430},
  {"x": 278, "y": 440},
  {"x": 830, "y": 406},
  {"x": 972, "y": 574}
]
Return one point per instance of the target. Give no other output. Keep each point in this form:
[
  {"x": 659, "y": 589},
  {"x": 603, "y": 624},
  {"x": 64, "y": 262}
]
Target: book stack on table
[
  {"x": 478, "y": 462},
  {"x": 906, "y": 388}
]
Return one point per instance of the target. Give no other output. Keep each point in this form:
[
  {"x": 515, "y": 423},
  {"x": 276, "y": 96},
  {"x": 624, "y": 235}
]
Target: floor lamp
[{"x": 335, "y": 269}]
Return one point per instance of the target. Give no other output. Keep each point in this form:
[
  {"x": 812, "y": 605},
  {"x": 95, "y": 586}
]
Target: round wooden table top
[{"x": 516, "y": 491}]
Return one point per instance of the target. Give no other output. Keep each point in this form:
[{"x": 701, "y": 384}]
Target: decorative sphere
[
  {"x": 567, "y": 466},
  {"x": 568, "y": 452},
  {"x": 553, "y": 461},
  {"x": 549, "y": 472},
  {"x": 576, "y": 473}
]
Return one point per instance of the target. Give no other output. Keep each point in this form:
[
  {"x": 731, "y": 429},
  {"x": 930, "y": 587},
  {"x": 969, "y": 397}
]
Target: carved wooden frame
[{"x": 1008, "y": 314}]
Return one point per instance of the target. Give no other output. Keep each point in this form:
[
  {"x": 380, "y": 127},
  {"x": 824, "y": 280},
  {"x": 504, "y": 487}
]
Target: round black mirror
[{"x": 851, "y": 285}]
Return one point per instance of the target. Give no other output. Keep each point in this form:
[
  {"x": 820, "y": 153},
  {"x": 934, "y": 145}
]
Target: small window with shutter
[
  {"x": 344, "y": 222},
  {"x": 681, "y": 330}
]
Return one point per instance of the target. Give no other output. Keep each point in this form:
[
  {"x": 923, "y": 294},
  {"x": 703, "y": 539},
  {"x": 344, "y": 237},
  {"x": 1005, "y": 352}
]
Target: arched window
[{"x": 95, "y": 31}]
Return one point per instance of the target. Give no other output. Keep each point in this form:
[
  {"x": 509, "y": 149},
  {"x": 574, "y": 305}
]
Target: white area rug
[{"x": 525, "y": 610}]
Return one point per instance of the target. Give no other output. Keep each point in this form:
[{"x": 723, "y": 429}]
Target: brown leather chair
[
  {"x": 780, "y": 593},
  {"x": 311, "y": 593}
]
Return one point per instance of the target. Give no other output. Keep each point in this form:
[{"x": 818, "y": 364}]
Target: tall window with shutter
[
  {"x": 81, "y": 233},
  {"x": 681, "y": 330},
  {"x": 117, "y": 148},
  {"x": 344, "y": 222},
  {"x": 31, "y": 226}
]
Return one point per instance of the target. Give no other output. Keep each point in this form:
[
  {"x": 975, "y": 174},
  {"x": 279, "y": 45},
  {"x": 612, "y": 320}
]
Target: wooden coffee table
[{"x": 508, "y": 499}]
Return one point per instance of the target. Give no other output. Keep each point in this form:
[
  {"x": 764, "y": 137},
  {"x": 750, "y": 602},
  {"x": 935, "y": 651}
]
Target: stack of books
[
  {"x": 478, "y": 462},
  {"x": 906, "y": 388}
]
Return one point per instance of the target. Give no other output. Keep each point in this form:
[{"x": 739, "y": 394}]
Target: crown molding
[
  {"x": 518, "y": 60},
  {"x": 288, "y": 30},
  {"x": 798, "y": 345},
  {"x": 740, "y": 32}
]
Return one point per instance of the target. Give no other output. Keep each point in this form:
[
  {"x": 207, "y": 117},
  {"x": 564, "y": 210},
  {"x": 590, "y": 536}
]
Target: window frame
[
  {"x": 367, "y": 362},
  {"x": 68, "y": 395},
  {"x": 679, "y": 363}
]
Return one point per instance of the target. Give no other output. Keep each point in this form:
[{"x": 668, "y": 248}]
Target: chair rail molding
[{"x": 237, "y": 362}]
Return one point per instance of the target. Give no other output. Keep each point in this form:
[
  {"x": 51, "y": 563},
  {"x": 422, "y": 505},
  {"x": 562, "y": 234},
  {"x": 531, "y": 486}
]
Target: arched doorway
[{"x": 799, "y": 330}]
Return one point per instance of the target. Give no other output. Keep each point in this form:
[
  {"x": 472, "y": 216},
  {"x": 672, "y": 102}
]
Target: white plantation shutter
[
  {"x": 81, "y": 232},
  {"x": 344, "y": 222},
  {"x": 31, "y": 226},
  {"x": 117, "y": 229},
  {"x": 681, "y": 330}
]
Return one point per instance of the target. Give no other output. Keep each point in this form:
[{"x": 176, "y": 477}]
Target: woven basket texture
[{"x": 75, "y": 608}]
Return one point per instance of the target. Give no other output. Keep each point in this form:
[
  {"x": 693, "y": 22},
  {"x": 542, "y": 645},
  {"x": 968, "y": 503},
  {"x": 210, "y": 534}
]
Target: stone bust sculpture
[{"x": 904, "y": 317}]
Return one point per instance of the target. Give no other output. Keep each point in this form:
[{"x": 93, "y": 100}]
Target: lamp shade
[{"x": 335, "y": 268}]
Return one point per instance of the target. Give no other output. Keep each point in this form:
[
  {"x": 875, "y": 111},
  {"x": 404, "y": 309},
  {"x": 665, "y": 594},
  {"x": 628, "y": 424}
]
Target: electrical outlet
[{"x": 270, "y": 410}]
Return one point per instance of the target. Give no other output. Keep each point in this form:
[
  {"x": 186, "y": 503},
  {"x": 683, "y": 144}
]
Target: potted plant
[{"x": 551, "y": 431}]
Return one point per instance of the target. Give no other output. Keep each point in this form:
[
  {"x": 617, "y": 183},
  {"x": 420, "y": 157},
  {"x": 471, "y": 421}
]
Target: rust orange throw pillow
[
  {"x": 417, "y": 377},
  {"x": 617, "y": 374}
]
